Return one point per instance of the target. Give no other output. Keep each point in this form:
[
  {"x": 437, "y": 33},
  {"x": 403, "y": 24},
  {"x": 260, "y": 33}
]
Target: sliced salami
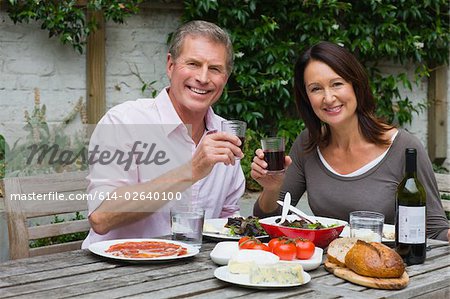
[{"x": 146, "y": 249}]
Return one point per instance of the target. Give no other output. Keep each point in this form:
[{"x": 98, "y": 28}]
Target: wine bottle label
[{"x": 411, "y": 225}]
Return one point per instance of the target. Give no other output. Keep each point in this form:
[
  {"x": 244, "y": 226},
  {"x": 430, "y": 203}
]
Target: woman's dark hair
[{"x": 350, "y": 69}]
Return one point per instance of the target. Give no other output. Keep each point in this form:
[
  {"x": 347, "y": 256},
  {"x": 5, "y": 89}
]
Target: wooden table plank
[
  {"x": 84, "y": 275},
  {"x": 188, "y": 281},
  {"x": 106, "y": 279},
  {"x": 419, "y": 285},
  {"x": 230, "y": 291},
  {"x": 54, "y": 274},
  {"x": 46, "y": 262}
]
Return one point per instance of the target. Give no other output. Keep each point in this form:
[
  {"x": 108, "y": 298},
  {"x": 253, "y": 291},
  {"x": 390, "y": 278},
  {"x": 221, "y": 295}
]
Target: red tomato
[
  {"x": 249, "y": 244},
  {"x": 261, "y": 246},
  {"x": 285, "y": 250},
  {"x": 243, "y": 239},
  {"x": 274, "y": 242},
  {"x": 305, "y": 249}
]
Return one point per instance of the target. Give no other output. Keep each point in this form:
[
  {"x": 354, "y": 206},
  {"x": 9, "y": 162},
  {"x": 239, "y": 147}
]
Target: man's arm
[
  {"x": 214, "y": 148},
  {"x": 119, "y": 211}
]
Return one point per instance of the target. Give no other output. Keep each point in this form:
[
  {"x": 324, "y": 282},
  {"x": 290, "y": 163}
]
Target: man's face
[{"x": 198, "y": 75}]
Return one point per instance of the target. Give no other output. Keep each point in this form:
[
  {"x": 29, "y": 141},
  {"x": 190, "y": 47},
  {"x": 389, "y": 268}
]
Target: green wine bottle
[{"x": 410, "y": 224}]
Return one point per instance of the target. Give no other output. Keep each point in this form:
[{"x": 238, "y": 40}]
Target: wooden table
[{"x": 83, "y": 275}]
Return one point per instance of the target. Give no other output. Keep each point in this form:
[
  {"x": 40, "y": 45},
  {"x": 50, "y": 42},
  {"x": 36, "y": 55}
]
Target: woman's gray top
[{"x": 334, "y": 196}]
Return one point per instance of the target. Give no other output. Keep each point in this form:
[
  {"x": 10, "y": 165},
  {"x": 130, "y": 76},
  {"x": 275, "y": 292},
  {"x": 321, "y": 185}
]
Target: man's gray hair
[{"x": 204, "y": 29}]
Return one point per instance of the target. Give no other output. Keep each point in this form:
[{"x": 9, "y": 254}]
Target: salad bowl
[{"x": 321, "y": 237}]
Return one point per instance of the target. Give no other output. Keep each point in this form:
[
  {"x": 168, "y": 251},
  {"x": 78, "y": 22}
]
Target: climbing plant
[
  {"x": 67, "y": 19},
  {"x": 269, "y": 35}
]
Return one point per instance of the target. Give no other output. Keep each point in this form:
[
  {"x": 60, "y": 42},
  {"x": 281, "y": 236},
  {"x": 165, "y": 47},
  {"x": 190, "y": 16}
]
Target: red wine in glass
[{"x": 275, "y": 160}]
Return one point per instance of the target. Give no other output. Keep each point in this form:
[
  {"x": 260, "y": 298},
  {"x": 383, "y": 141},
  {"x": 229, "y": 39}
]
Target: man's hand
[
  {"x": 259, "y": 172},
  {"x": 219, "y": 147}
]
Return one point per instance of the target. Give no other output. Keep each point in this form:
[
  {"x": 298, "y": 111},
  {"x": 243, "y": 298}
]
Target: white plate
[
  {"x": 223, "y": 252},
  {"x": 215, "y": 229},
  {"x": 387, "y": 229},
  {"x": 223, "y": 274},
  {"x": 100, "y": 248}
]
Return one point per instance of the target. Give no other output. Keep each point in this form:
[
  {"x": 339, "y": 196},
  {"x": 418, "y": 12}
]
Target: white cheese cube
[{"x": 245, "y": 259}]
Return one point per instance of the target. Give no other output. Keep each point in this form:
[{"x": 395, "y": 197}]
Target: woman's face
[{"x": 332, "y": 98}]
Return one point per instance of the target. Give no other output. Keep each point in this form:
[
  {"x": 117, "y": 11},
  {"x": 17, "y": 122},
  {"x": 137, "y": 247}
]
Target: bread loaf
[
  {"x": 374, "y": 260},
  {"x": 338, "y": 248}
]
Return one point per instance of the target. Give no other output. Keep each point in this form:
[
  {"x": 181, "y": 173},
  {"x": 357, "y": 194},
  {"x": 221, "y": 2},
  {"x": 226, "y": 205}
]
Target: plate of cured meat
[{"x": 138, "y": 250}]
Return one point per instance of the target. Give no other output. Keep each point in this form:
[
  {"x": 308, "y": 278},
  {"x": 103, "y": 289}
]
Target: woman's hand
[{"x": 259, "y": 172}]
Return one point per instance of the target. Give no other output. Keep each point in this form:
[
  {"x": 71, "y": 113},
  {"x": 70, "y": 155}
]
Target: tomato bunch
[{"x": 286, "y": 249}]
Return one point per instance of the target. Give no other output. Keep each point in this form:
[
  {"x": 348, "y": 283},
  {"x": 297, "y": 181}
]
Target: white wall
[
  {"x": 140, "y": 43},
  {"x": 418, "y": 95},
  {"x": 29, "y": 59}
]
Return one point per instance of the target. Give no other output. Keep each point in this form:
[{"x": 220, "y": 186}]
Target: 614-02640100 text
[
  {"x": 56, "y": 196},
  {"x": 140, "y": 196}
]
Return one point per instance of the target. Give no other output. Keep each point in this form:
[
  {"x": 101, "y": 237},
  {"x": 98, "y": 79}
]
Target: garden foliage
[
  {"x": 269, "y": 35},
  {"x": 67, "y": 20}
]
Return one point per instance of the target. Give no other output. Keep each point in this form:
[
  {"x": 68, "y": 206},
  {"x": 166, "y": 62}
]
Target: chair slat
[
  {"x": 75, "y": 245},
  {"x": 45, "y": 208},
  {"x": 60, "y": 182},
  {"x": 446, "y": 205},
  {"x": 19, "y": 211},
  {"x": 17, "y": 222},
  {"x": 443, "y": 181},
  {"x": 57, "y": 229}
]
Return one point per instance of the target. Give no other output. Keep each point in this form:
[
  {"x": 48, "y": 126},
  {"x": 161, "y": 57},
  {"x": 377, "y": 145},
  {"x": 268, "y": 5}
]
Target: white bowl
[{"x": 223, "y": 251}]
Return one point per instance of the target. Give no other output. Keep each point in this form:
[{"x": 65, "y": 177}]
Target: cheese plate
[
  {"x": 223, "y": 274},
  {"x": 223, "y": 251}
]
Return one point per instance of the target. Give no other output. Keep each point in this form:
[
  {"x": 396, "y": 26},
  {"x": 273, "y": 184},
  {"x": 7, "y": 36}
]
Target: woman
[{"x": 347, "y": 159}]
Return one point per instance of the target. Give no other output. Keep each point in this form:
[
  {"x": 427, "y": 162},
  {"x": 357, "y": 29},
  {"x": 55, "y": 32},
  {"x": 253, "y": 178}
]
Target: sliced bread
[{"x": 338, "y": 248}]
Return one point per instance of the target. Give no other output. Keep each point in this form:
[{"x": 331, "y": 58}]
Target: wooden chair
[
  {"x": 443, "y": 181},
  {"x": 18, "y": 212}
]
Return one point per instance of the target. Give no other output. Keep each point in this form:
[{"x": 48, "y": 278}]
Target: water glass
[
  {"x": 187, "y": 224},
  {"x": 273, "y": 148},
  {"x": 237, "y": 128},
  {"x": 366, "y": 225}
]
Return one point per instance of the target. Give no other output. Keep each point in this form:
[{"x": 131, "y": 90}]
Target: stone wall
[{"x": 29, "y": 59}]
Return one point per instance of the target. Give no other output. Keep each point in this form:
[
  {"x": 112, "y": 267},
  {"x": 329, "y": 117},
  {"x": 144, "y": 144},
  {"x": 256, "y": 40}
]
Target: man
[{"x": 199, "y": 62}]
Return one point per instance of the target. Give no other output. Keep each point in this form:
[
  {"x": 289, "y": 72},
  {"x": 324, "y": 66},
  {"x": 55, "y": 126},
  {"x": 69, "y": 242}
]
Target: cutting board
[{"x": 371, "y": 282}]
